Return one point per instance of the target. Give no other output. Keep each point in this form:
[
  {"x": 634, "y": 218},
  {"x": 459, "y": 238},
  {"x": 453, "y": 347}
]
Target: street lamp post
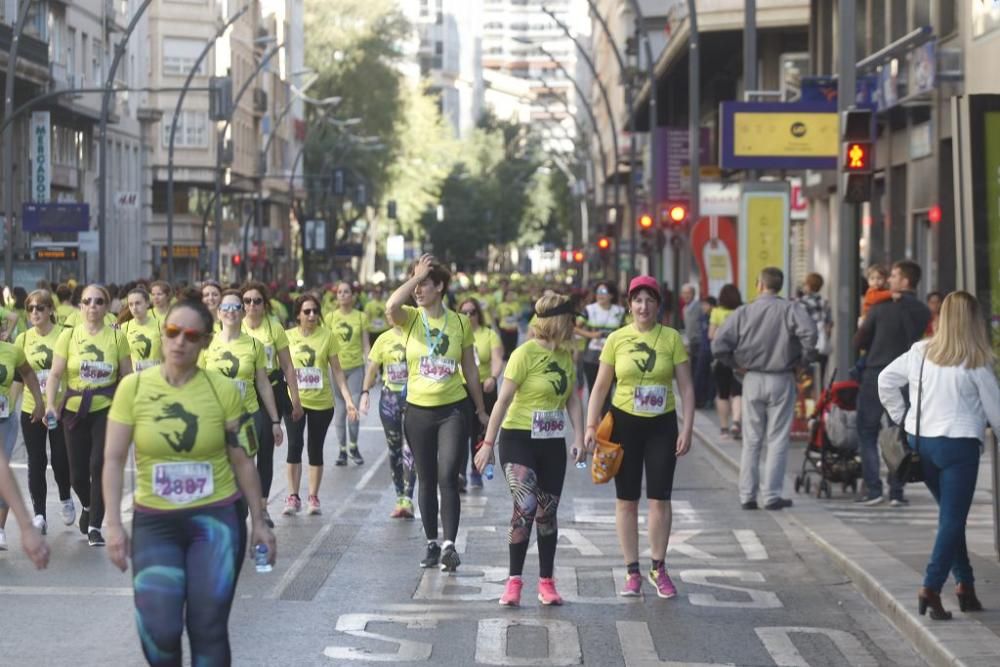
[
  {"x": 600, "y": 148},
  {"x": 173, "y": 132},
  {"x": 102, "y": 143}
]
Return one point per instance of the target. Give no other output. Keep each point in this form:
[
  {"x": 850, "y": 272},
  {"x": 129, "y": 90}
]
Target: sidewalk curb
[{"x": 931, "y": 647}]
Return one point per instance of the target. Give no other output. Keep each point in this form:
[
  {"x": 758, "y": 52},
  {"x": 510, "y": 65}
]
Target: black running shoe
[
  {"x": 449, "y": 559},
  {"x": 94, "y": 538},
  {"x": 433, "y": 556},
  {"x": 356, "y": 456},
  {"x": 342, "y": 458},
  {"x": 84, "y": 521}
]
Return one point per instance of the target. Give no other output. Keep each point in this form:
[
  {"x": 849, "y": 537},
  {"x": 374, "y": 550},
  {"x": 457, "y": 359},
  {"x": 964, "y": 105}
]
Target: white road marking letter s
[
  {"x": 758, "y": 599},
  {"x": 355, "y": 624}
]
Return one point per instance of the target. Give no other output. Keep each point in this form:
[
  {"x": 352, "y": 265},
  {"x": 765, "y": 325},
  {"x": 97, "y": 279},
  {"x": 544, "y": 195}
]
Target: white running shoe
[
  {"x": 39, "y": 523},
  {"x": 68, "y": 512}
]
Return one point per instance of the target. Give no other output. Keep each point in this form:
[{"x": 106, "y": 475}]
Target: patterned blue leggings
[
  {"x": 185, "y": 565},
  {"x": 390, "y": 409}
]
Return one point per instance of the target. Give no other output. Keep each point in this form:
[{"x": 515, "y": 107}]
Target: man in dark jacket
[{"x": 889, "y": 330}]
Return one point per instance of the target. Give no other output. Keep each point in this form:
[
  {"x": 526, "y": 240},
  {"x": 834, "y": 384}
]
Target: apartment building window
[
  {"x": 192, "y": 130},
  {"x": 947, "y": 21},
  {"x": 84, "y": 60},
  {"x": 180, "y": 54},
  {"x": 97, "y": 59},
  {"x": 425, "y": 8},
  {"x": 71, "y": 53}
]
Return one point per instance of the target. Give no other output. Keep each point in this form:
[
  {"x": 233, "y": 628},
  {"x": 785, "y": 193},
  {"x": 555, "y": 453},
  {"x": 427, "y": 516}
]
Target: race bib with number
[
  {"x": 437, "y": 368},
  {"x": 4, "y": 407},
  {"x": 651, "y": 400},
  {"x": 397, "y": 372},
  {"x": 96, "y": 372},
  {"x": 143, "y": 364},
  {"x": 43, "y": 379},
  {"x": 269, "y": 353},
  {"x": 378, "y": 324},
  {"x": 242, "y": 386},
  {"x": 182, "y": 483},
  {"x": 548, "y": 424},
  {"x": 309, "y": 378}
]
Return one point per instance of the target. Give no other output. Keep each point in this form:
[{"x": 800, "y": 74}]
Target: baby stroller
[{"x": 832, "y": 452}]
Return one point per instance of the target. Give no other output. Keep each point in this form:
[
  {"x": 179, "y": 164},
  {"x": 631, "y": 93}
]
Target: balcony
[{"x": 32, "y": 49}]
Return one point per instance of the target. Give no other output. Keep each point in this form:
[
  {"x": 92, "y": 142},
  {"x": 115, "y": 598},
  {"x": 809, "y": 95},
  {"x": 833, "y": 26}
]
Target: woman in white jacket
[{"x": 960, "y": 395}]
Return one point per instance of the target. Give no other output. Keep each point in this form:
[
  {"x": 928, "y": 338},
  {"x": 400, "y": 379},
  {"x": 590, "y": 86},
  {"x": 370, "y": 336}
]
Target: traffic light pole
[{"x": 847, "y": 234}]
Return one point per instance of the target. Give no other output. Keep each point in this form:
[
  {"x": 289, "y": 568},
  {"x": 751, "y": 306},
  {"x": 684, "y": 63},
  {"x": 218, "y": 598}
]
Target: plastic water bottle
[
  {"x": 488, "y": 471},
  {"x": 580, "y": 465},
  {"x": 51, "y": 422},
  {"x": 260, "y": 558}
]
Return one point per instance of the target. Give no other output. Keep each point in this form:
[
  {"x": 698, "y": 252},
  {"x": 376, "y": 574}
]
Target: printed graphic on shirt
[
  {"x": 90, "y": 348},
  {"x": 644, "y": 357},
  {"x": 4, "y": 374},
  {"x": 307, "y": 356},
  {"x": 42, "y": 356},
  {"x": 233, "y": 369},
  {"x": 562, "y": 383},
  {"x": 184, "y": 438},
  {"x": 144, "y": 344},
  {"x": 345, "y": 331},
  {"x": 442, "y": 344}
]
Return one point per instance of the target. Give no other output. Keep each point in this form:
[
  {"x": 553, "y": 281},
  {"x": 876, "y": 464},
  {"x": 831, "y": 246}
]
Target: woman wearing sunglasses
[
  {"x": 268, "y": 330},
  {"x": 141, "y": 329},
  {"x": 349, "y": 325},
  {"x": 438, "y": 343},
  {"x": 238, "y": 356},
  {"x": 604, "y": 315},
  {"x": 388, "y": 356},
  {"x": 530, "y": 420},
  {"x": 194, "y": 473},
  {"x": 93, "y": 357},
  {"x": 211, "y": 296},
  {"x": 488, "y": 351},
  {"x": 317, "y": 368},
  {"x": 39, "y": 344}
]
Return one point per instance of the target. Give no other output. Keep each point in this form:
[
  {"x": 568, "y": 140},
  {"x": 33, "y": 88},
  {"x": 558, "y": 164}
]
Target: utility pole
[
  {"x": 8, "y": 148},
  {"x": 847, "y": 234}
]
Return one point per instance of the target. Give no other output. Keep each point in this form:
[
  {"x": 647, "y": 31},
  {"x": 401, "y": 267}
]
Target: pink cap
[{"x": 647, "y": 282}]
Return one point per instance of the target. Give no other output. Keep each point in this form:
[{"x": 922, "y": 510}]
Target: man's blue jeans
[
  {"x": 869, "y": 424},
  {"x": 951, "y": 466}
]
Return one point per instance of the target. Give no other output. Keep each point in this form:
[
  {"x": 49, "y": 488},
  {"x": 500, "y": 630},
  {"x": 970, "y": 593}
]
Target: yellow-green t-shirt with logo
[
  {"x": 719, "y": 315},
  {"x": 63, "y": 312},
  {"x": 271, "y": 334},
  {"x": 92, "y": 362},
  {"x": 390, "y": 354},
  {"x": 647, "y": 361},
  {"x": 237, "y": 360},
  {"x": 179, "y": 432},
  {"x": 435, "y": 365},
  {"x": 544, "y": 381},
  {"x": 145, "y": 342},
  {"x": 508, "y": 314},
  {"x": 484, "y": 340},
  {"x": 375, "y": 313},
  {"x": 349, "y": 331},
  {"x": 311, "y": 359},
  {"x": 75, "y": 317},
  {"x": 39, "y": 351},
  {"x": 11, "y": 358}
]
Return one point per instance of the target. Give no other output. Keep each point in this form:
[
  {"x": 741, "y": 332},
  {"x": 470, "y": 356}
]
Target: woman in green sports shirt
[
  {"x": 259, "y": 323},
  {"x": 644, "y": 358},
  {"x": 348, "y": 325},
  {"x": 530, "y": 418},
  {"x": 238, "y": 356},
  {"x": 437, "y": 343},
  {"x": 39, "y": 344},
  {"x": 195, "y": 481},
  {"x": 93, "y": 357},
  {"x": 487, "y": 349},
  {"x": 141, "y": 329},
  {"x": 374, "y": 310},
  {"x": 317, "y": 368}
]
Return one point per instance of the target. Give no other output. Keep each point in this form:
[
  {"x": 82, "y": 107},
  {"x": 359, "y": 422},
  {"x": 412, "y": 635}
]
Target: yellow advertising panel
[
  {"x": 763, "y": 235},
  {"x": 757, "y": 134}
]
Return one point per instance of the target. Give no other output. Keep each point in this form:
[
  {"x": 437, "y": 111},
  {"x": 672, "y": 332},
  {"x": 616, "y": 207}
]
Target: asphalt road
[{"x": 347, "y": 589}]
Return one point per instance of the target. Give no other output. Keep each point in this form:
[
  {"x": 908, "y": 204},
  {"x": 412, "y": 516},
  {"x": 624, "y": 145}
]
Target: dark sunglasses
[
  {"x": 310, "y": 311},
  {"x": 97, "y": 301},
  {"x": 253, "y": 301},
  {"x": 231, "y": 307},
  {"x": 190, "y": 335},
  {"x": 33, "y": 308}
]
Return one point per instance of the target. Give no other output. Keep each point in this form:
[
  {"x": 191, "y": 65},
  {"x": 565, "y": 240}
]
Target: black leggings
[
  {"x": 649, "y": 442},
  {"x": 535, "y": 471},
  {"x": 34, "y": 441},
  {"x": 437, "y": 438},
  {"x": 185, "y": 564},
  {"x": 319, "y": 422},
  {"x": 476, "y": 430},
  {"x": 85, "y": 450},
  {"x": 265, "y": 451}
]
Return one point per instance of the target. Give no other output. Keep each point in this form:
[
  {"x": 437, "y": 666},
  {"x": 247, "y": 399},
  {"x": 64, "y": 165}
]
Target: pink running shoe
[
  {"x": 547, "y": 594},
  {"x": 292, "y": 505},
  {"x": 661, "y": 580},
  {"x": 313, "y": 505},
  {"x": 633, "y": 582},
  {"x": 512, "y": 593}
]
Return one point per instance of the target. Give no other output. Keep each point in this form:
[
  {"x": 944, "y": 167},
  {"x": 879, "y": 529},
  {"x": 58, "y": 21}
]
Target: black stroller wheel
[
  {"x": 808, "y": 484},
  {"x": 798, "y": 483}
]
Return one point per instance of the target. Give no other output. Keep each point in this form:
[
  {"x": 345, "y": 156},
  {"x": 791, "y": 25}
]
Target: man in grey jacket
[{"x": 768, "y": 339}]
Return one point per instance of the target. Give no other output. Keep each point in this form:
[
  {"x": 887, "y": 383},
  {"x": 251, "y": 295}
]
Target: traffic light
[
  {"x": 237, "y": 259},
  {"x": 857, "y": 155},
  {"x": 603, "y": 244},
  {"x": 676, "y": 214},
  {"x": 645, "y": 222},
  {"x": 578, "y": 256}
]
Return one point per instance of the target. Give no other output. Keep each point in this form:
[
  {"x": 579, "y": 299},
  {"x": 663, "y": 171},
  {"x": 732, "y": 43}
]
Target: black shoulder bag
[{"x": 902, "y": 460}]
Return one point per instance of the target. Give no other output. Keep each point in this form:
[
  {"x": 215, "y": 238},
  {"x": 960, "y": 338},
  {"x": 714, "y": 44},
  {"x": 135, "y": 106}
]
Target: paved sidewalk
[{"x": 884, "y": 551}]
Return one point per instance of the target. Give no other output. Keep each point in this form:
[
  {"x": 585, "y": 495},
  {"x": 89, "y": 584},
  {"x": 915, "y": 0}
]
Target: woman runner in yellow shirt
[
  {"x": 93, "y": 357},
  {"x": 141, "y": 329},
  {"x": 259, "y": 323},
  {"x": 195, "y": 480},
  {"x": 160, "y": 292},
  {"x": 643, "y": 359},
  {"x": 348, "y": 325},
  {"x": 211, "y": 295},
  {"x": 238, "y": 356}
]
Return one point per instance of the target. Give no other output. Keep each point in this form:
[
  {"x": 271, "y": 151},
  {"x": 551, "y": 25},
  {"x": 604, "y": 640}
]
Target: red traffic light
[
  {"x": 857, "y": 156},
  {"x": 677, "y": 214},
  {"x": 237, "y": 260},
  {"x": 645, "y": 221},
  {"x": 578, "y": 256},
  {"x": 934, "y": 214},
  {"x": 604, "y": 243}
]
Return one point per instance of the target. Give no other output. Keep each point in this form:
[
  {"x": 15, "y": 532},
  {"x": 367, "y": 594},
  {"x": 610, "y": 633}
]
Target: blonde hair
[
  {"x": 557, "y": 330},
  {"x": 961, "y": 334}
]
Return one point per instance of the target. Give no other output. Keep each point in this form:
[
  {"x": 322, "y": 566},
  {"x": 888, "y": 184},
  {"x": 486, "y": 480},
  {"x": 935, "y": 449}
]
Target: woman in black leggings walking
[{"x": 437, "y": 343}]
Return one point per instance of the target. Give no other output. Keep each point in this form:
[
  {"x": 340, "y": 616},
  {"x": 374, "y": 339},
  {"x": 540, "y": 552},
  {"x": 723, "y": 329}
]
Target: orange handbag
[{"x": 607, "y": 455}]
